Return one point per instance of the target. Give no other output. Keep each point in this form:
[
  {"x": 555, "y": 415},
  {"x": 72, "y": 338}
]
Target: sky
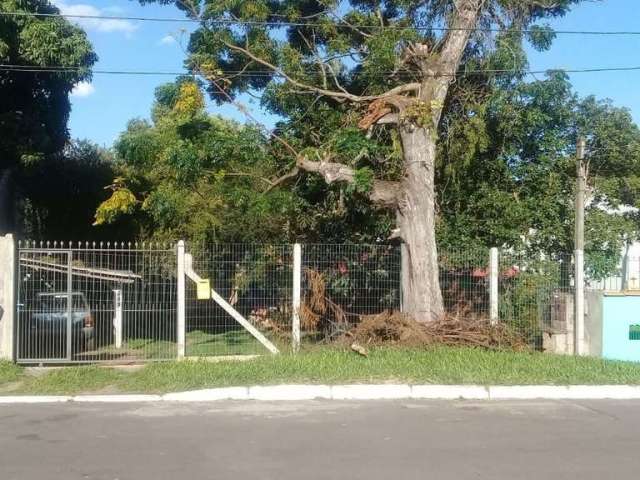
[{"x": 102, "y": 108}]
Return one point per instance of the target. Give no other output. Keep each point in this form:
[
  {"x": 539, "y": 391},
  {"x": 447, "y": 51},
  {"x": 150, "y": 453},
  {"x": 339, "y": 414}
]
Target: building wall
[{"x": 620, "y": 313}]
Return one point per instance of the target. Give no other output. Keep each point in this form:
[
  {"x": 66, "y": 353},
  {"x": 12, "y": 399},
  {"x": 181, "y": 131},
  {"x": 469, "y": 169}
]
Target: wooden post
[
  {"x": 296, "y": 296},
  {"x": 581, "y": 187},
  {"x": 493, "y": 285},
  {"x": 181, "y": 310}
]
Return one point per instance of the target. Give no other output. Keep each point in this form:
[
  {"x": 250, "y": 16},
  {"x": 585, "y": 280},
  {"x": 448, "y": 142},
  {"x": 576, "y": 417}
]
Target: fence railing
[
  {"x": 87, "y": 302},
  {"x": 81, "y": 302}
]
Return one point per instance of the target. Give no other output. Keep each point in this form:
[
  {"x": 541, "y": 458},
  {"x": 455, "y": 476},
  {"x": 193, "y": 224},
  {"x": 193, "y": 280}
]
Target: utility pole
[{"x": 578, "y": 254}]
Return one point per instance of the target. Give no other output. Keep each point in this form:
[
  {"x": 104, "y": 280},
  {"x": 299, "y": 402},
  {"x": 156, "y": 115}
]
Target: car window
[
  {"x": 52, "y": 303},
  {"x": 79, "y": 302},
  {"x": 58, "y": 303}
]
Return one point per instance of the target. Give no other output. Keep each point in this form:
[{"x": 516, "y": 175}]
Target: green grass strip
[{"x": 332, "y": 366}]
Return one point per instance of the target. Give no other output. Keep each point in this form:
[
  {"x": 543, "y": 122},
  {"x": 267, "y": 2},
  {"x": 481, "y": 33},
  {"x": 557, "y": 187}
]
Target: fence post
[
  {"x": 296, "y": 296},
  {"x": 181, "y": 324},
  {"x": 7, "y": 296},
  {"x": 117, "y": 317},
  {"x": 578, "y": 303},
  {"x": 493, "y": 285},
  {"x": 404, "y": 276}
]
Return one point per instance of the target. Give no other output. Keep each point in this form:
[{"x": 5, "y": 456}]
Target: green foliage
[
  {"x": 34, "y": 107},
  {"x": 525, "y": 299},
  {"x": 541, "y": 36},
  {"x": 188, "y": 174},
  {"x": 362, "y": 44},
  {"x": 507, "y": 172},
  {"x": 505, "y": 169},
  {"x": 60, "y": 194},
  {"x": 363, "y": 180},
  {"x": 121, "y": 202},
  {"x": 9, "y": 372}
]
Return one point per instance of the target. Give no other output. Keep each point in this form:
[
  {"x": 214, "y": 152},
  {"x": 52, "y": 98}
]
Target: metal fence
[
  {"x": 256, "y": 280},
  {"x": 531, "y": 292},
  {"x": 81, "y": 302},
  {"x": 624, "y": 276},
  {"x": 120, "y": 302},
  {"x": 341, "y": 283},
  {"x": 464, "y": 281}
]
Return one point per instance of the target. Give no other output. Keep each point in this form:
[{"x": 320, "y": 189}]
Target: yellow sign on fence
[{"x": 204, "y": 289}]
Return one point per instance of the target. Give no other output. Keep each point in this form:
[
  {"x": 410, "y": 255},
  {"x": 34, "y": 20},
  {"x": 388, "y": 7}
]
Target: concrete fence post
[
  {"x": 578, "y": 303},
  {"x": 117, "y": 317},
  {"x": 493, "y": 285},
  {"x": 181, "y": 301},
  {"x": 404, "y": 276},
  {"x": 296, "y": 296},
  {"x": 7, "y": 296}
]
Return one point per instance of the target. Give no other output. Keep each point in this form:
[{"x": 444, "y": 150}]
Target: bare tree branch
[
  {"x": 388, "y": 118},
  {"x": 384, "y": 193},
  {"x": 450, "y": 54},
  {"x": 350, "y": 25},
  {"x": 284, "y": 178},
  {"x": 246, "y": 112},
  {"x": 409, "y": 87},
  {"x": 250, "y": 175}
]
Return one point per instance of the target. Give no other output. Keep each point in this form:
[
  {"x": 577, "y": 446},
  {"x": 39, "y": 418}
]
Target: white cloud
[
  {"x": 82, "y": 89},
  {"x": 167, "y": 40},
  {"x": 114, "y": 9},
  {"x": 106, "y": 25}
]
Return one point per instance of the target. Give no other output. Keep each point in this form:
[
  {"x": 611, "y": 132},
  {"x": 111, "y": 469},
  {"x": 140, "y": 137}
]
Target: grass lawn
[
  {"x": 198, "y": 344},
  {"x": 330, "y": 366},
  {"x": 232, "y": 342}
]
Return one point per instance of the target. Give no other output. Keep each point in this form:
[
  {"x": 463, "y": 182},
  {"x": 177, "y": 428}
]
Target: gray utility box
[{"x": 558, "y": 325}]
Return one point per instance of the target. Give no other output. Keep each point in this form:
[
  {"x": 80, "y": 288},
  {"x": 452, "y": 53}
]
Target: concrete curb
[
  {"x": 35, "y": 399},
  {"x": 571, "y": 392},
  {"x": 359, "y": 392},
  {"x": 212, "y": 394},
  {"x": 116, "y": 398}
]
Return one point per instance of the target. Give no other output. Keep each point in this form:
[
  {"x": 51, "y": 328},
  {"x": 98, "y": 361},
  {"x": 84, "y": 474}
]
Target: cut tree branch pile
[
  {"x": 319, "y": 313},
  {"x": 462, "y": 329}
]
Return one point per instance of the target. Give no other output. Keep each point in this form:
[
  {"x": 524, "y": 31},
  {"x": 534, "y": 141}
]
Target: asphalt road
[{"x": 321, "y": 440}]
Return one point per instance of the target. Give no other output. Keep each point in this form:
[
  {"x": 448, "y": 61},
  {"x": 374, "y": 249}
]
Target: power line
[
  {"x": 97, "y": 17},
  {"x": 226, "y": 22},
  {"x": 60, "y": 69},
  {"x": 249, "y": 73}
]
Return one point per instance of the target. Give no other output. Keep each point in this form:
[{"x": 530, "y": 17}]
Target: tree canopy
[
  {"x": 387, "y": 65},
  {"x": 504, "y": 168},
  {"x": 193, "y": 175},
  {"x": 507, "y": 172},
  {"x": 59, "y": 195},
  {"x": 34, "y": 106}
]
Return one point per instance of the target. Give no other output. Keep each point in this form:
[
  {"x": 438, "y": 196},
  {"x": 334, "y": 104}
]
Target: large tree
[
  {"x": 391, "y": 63},
  {"x": 34, "y": 104}
]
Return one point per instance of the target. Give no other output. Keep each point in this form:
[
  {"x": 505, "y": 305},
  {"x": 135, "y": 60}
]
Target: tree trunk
[
  {"x": 7, "y": 202},
  {"x": 421, "y": 295}
]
